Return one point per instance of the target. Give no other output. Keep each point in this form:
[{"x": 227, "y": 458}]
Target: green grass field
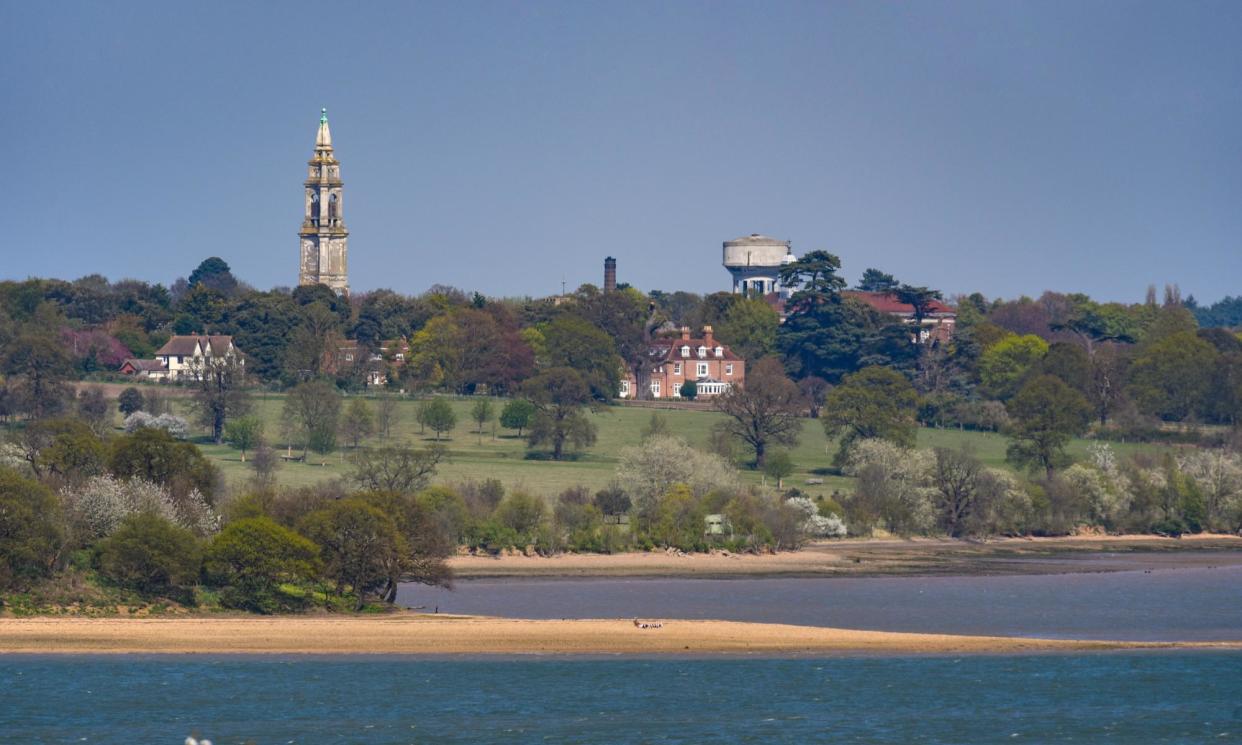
[{"x": 503, "y": 456}]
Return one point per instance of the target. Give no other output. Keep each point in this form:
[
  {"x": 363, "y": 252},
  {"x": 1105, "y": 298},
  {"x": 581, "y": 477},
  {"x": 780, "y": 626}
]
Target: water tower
[{"x": 755, "y": 262}]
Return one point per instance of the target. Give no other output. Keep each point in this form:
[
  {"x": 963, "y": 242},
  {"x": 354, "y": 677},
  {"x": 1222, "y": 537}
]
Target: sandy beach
[
  {"x": 408, "y": 633},
  {"x": 866, "y": 557}
]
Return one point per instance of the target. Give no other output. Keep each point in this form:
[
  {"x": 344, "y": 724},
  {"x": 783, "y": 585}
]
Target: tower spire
[
  {"x": 323, "y": 140},
  {"x": 324, "y": 238}
]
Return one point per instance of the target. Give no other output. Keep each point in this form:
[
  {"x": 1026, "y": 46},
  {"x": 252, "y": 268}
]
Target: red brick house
[{"x": 674, "y": 360}]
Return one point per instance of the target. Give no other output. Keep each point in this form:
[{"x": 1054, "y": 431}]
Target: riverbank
[
  {"x": 870, "y": 557},
  {"x": 415, "y": 634}
]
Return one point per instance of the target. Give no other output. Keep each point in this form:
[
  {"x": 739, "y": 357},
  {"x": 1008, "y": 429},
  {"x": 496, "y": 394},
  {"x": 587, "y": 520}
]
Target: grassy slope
[{"x": 503, "y": 457}]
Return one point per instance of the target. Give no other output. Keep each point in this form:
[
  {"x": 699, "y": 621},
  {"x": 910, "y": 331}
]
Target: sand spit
[
  {"x": 870, "y": 558},
  {"x": 409, "y": 633}
]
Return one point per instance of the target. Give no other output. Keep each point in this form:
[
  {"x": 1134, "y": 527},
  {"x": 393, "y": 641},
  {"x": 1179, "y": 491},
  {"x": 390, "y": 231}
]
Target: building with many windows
[{"x": 672, "y": 361}]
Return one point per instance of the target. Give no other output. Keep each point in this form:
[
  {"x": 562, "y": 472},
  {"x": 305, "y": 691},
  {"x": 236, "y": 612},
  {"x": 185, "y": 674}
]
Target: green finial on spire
[{"x": 323, "y": 118}]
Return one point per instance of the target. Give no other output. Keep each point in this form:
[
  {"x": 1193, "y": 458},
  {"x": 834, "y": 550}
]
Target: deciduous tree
[
  {"x": 765, "y": 412},
  {"x": 1046, "y": 414},
  {"x": 559, "y": 397},
  {"x": 358, "y": 423},
  {"x": 874, "y": 402}
]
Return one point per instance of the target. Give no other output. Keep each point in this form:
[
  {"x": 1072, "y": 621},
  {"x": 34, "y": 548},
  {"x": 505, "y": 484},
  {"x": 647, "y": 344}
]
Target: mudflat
[
  {"x": 870, "y": 557},
  {"x": 421, "y": 634}
]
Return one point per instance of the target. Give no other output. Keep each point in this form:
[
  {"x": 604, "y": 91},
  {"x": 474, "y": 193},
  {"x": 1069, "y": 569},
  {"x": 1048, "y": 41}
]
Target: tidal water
[
  {"x": 1122, "y": 698},
  {"x": 1160, "y": 604}
]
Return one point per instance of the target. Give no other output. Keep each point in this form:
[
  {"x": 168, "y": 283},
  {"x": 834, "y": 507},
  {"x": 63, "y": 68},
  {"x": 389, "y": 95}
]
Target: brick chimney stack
[
  {"x": 685, "y": 333},
  {"x": 610, "y": 274},
  {"x": 708, "y": 341}
]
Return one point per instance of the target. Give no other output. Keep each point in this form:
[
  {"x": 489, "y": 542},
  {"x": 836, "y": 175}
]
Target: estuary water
[
  {"x": 1195, "y": 602},
  {"x": 1123, "y": 698}
]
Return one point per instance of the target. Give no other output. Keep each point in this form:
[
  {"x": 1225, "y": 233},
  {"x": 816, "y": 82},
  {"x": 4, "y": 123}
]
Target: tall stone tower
[{"x": 325, "y": 241}]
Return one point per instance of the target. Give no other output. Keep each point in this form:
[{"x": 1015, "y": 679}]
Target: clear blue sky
[{"x": 1006, "y": 147}]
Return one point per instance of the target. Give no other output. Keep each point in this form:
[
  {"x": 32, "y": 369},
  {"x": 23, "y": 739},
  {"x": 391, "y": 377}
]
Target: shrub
[
  {"x": 894, "y": 487},
  {"x": 170, "y": 423},
  {"x": 522, "y": 513},
  {"x": 30, "y": 535},
  {"x": 99, "y": 505},
  {"x": 814, "y": 524},
  {"x": 129, "y": 401},
  {"x": 650, "y": 470},
  {"x": 448, "y": 510},
  {"x": 252, "y": 558},
  {"x": 150, "y": 554},
  {"x": 680, "y": 520},
  {"x": 612, "y": 500},
  {"x": 154, "y": 455}
]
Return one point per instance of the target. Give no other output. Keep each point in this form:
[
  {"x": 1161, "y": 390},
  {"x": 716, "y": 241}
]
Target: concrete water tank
[{"x": 755, "y": 262}]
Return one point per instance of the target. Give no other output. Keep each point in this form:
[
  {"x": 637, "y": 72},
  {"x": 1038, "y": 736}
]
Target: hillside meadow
[{"x": 500, "y": 454}]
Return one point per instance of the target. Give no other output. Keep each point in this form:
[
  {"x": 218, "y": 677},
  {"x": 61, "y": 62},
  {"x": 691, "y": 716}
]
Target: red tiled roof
[
  {"x": 669, "y": 350},
  {"x": 888, "y": 303},
  {"x": 144, "y": 365}
]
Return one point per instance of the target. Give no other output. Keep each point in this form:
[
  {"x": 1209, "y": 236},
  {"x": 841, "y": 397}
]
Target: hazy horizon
[{"x": 1005, "y": 148}]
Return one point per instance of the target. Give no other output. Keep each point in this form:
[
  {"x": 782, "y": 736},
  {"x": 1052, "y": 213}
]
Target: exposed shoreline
[
  {"x": 867, "y": 557},
  {"x": 417, "y": 634}
]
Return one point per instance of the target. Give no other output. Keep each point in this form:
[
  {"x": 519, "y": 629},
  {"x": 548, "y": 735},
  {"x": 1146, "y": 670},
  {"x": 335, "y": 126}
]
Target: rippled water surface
[
  {"x": 1191, "y": 603},
  {"x": 1122, "y": 698}
]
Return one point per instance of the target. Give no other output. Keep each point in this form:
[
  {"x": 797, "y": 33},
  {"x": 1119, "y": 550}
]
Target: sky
[{"x": 1001, "y": 147}]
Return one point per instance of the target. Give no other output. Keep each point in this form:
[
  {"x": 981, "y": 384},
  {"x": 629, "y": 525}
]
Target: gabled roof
[
  {"x": 887, "y": 302},
  {"x": 185, "y": 346},
  {"x": 660, "y": 351},
  {"x": 144, "y": 365}
]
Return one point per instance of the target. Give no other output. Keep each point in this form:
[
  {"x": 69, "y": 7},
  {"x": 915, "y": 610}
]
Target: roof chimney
[
  {"x": 708, "y": 341},
  {"x": 685, "y": 333},
  {"x": 610, "y": 274}
]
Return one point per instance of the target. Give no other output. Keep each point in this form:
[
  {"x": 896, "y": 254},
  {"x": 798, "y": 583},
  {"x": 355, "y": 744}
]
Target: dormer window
[
  {"x": 720, "y": 351},
  {"x": 702, "y": 351},
  {"x": 685, "y": 351}
]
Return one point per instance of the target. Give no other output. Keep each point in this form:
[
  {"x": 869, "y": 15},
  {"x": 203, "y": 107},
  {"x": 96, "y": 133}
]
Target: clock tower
[{"x": 324, "y": 239}]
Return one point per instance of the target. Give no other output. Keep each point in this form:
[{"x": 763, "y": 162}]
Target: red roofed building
[
  {"x": 938, "y": 321},
  {"x": 672, "y": 361}
]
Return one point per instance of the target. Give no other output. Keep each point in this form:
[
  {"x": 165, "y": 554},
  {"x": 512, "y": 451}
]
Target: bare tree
[
  {"x": 956, "y": 477},
  {"x": 399, "y": 469},
  {"x": 386, "y": 415},
  {"x": 766, "y": 411},
  {"x": 219, "y": 391}
]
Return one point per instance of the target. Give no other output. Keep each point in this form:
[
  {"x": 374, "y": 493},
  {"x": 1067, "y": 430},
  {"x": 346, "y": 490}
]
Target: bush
[
  {"x": 154, "y": 455},
  {"x": 651, "y": 469},
  {"x": 612, "y": 500},
  {"x": 98, "y": 506},
  {"x": 150, "y": 554},
  {"x": 252, "y": 558},
  {"x": 448, "y": 510},
  {"x": 170, "y": 423},
  {"x": 814, "y": 524},
  {"x": 680, "y": 520},
  {"x": 129, "y": 401},
  {"x": 522, "y": 513},
  {"x": 30, "y": 535}
]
